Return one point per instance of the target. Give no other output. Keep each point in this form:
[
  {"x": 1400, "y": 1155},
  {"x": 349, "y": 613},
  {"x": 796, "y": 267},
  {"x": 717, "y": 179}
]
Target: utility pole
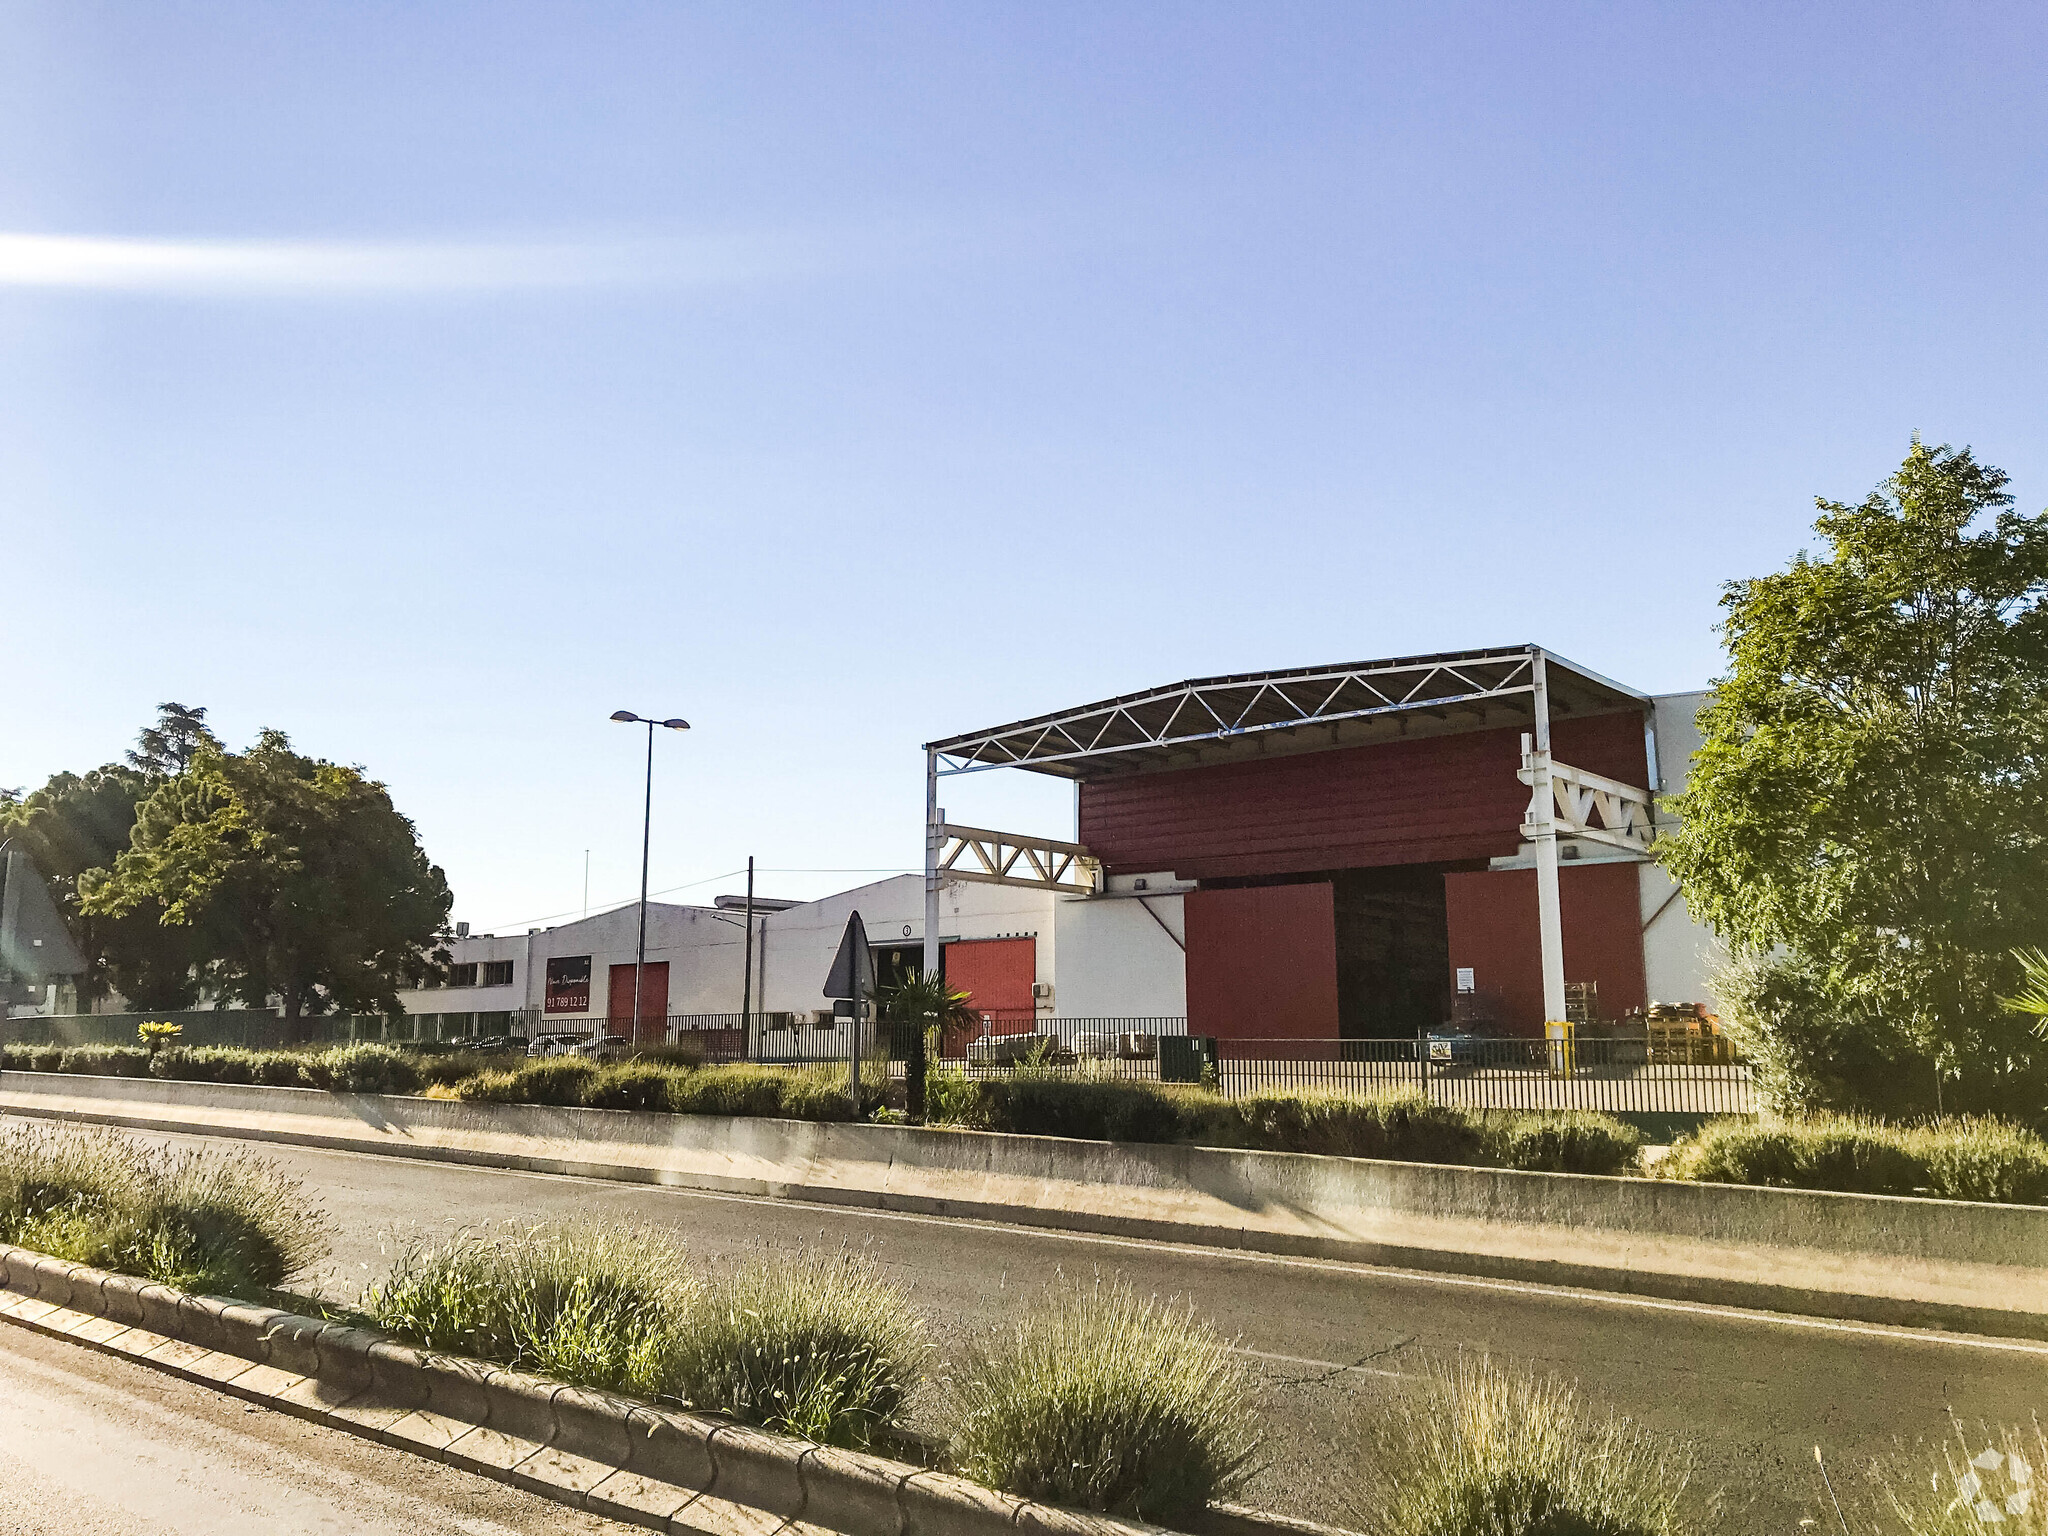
[
  {"x": 934, "y": 820},
  {"x": 1542, "y": 830},
  {"x": 747, "y": 964}
]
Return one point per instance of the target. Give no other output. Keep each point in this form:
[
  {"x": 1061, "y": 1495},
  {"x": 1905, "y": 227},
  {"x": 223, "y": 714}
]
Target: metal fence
[
  {"x": 1624, "y": 1076},
  {"x": 1655, "y": 1075}
]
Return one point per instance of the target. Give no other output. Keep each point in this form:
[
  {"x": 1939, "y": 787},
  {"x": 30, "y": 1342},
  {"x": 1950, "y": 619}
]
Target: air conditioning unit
[{"x": 1042, "y": 991}]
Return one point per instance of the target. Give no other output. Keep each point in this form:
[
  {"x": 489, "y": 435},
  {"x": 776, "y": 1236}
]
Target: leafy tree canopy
[
  {"x": 75, "y": 826},
  {"x": 165, "y": 748},
  {"x": 1870, "y": 805},
  {"x": 297, "y": 877}
]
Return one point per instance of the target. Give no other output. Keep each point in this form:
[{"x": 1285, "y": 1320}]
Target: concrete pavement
[
  {"x": 93, "y": 1445},
  {"x": 1751, "y": 1393}
]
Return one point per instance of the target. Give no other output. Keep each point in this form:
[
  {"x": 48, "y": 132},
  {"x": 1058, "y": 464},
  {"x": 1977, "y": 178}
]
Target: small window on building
[
  {"x": 495, "y": 973},
  {"x": 462, "y": 975}
]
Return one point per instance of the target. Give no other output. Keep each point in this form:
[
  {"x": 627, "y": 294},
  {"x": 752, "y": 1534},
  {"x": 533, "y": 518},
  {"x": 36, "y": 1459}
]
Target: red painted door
[
  {"x": 653, "y": 1022},
  {"x": 996, "y": 975},
  {"x": 1262, "y": 962},
  {"x": 1493, "y": 932}
]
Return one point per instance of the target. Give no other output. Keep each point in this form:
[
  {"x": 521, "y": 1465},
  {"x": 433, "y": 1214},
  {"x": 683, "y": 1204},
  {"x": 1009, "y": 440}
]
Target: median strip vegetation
[
  {"x": 211, "y": 1222},
  {"x": 1962, "y": 1159},
  {"x": 1099, "y": 1397},
  {"x": 1106, "y": 1400},
  {"x": 1481, "y": 1450},
  {"x": 1968, "y": 1159},
  {"x": 806, "y": 1343},
  {"x": 1401, "y": 1125}
]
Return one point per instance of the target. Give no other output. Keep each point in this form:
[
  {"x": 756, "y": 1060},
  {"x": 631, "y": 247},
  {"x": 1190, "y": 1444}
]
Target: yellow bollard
[{"x": 1559, "y": 1035}]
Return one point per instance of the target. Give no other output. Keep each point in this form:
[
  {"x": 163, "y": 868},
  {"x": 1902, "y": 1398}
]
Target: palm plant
[
  {"x": 2033, "y": 998},
  {"x": 918, "y": 1007}
]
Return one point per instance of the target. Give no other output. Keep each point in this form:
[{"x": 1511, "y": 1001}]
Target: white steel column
[
  {"x": 1543, "y": 809},
  {"x": 934, "y": 819}
]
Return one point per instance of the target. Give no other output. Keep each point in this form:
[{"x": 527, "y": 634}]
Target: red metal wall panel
[
  {"x": 1434, "y": 799},
  {"x": 1262, "y": 962},
  {"x": 653, "y": 1021},
  {"x": 1492, "y": 917},
  {"x": 996, "y": 975}
]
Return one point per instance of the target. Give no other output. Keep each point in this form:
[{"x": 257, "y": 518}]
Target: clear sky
[{"x": 429, "y": 380}]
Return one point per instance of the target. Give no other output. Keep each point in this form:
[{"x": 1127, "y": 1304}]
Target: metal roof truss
[{"x": 1223, "y": 708}]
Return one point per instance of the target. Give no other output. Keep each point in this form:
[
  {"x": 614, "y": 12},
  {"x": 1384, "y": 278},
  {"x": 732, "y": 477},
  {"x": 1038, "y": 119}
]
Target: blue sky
[{"x": 428, "y": 381}]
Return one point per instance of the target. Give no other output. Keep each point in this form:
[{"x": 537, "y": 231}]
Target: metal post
[
  {"x": 934, "y": 818},
  {"x": 646, "y": 843},
  {"x": 747, "y": 964},
  {"x": 1543, "y": 806}
]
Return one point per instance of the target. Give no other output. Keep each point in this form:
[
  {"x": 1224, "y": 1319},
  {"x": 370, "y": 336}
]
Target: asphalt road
[
  {"x": 95, "y": 1445},
  {"x": 1750, "y": 1393}
]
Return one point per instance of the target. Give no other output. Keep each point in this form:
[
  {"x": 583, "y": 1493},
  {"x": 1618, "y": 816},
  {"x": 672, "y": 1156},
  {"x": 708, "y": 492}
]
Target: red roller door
[
  {"x": 996, "y": 975},
  {"x": 1492, "y": 920},
  {"x": 1262, "y": 962},
  {"x": 653, "y": 1024}
]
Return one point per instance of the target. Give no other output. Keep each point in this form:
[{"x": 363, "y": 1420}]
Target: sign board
[
  {"x": 1465, "y": 980},
  {"x": 35, "y": 946},
  {"x": 568, "y": 985},
  {"x": 853, "y": 968}
]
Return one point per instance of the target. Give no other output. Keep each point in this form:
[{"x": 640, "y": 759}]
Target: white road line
[{"x": 1702, "y": 1309}]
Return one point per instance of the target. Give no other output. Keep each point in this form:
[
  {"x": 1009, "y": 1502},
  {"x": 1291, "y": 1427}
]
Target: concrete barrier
[{"x": 1876, "y": 1258}]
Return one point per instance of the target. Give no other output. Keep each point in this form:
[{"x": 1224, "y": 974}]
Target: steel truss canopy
[{"x": 1209, "y": 720}]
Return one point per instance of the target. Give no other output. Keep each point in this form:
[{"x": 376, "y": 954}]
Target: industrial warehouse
[{"x": 1378, "y": 850}]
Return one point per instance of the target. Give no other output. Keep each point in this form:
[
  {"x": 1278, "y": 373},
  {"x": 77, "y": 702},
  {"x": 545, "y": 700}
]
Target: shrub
[
  {"x": 105, "y": 1060},
  {"x": 1955, "y": 1159},
  {"x": 204, "y": 1221},
  {"x": 1970, "y": 1493},
  {"x": 1100, "y": 1109},
  {"x": 1570, "y": 1141},
  {"x": 744, "y": 1088},
  {"x": 1108, "y": 1402},
  {"x": 449, "y": 1070},
  {"x": 554, "y": 1080},
  {"x": 1399, "y": 1125},
  {"x": 631, "y": 1085},
  {"x": 681, "y": 1052},
  {"x": 1984, "y": 1160},
  {"x": 598, "y": 1306},
  {"x": 1481, "y": 1451},
  {"x": 365, "y": 1067},
  {"x": 811, "y": 1344},
  {"x": 46, "y": 1058},
  {"x": 276, "y": 1069}
]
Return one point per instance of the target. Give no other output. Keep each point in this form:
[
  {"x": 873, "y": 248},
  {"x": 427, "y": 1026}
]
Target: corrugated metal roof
[{"x": 1219, "y": 719}]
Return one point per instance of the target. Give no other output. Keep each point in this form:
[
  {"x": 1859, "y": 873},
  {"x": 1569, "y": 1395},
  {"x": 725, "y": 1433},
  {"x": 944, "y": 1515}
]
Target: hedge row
[
  {"x": 739, "y": 1088},
  {"x": 363, "y": 1068},
  {"x": 1951, "y": 1160},
  {"x": 1400, "y": 1126}
]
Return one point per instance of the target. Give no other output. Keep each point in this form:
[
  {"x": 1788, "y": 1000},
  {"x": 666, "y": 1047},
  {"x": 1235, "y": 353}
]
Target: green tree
[
  {"x": 163, "y": 749},
  {"x": 74, "y": 827},
  {"x": 297, "y": 878},
  {"x": 1867, "y": 820}
]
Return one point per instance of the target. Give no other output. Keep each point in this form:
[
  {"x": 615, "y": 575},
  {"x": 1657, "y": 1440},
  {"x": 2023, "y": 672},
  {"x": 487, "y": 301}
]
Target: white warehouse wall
[
  {"x": 803, "y": 940},
  {"x": 1117, "y": 961},
  {"x": 1680, "y": 956}
]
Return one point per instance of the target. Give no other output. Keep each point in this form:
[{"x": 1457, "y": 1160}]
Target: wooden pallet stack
[{"x": 1686, "y": 1034}]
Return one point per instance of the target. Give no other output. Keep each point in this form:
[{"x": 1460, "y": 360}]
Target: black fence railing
[{"x": 1620, "y": 1076}]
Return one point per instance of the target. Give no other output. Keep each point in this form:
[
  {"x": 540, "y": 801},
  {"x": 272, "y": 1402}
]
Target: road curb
[{"x": 626, "y": 1460}]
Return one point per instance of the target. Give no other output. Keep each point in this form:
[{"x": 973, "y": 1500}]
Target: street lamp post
[{"x": 627, "y": 717}]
